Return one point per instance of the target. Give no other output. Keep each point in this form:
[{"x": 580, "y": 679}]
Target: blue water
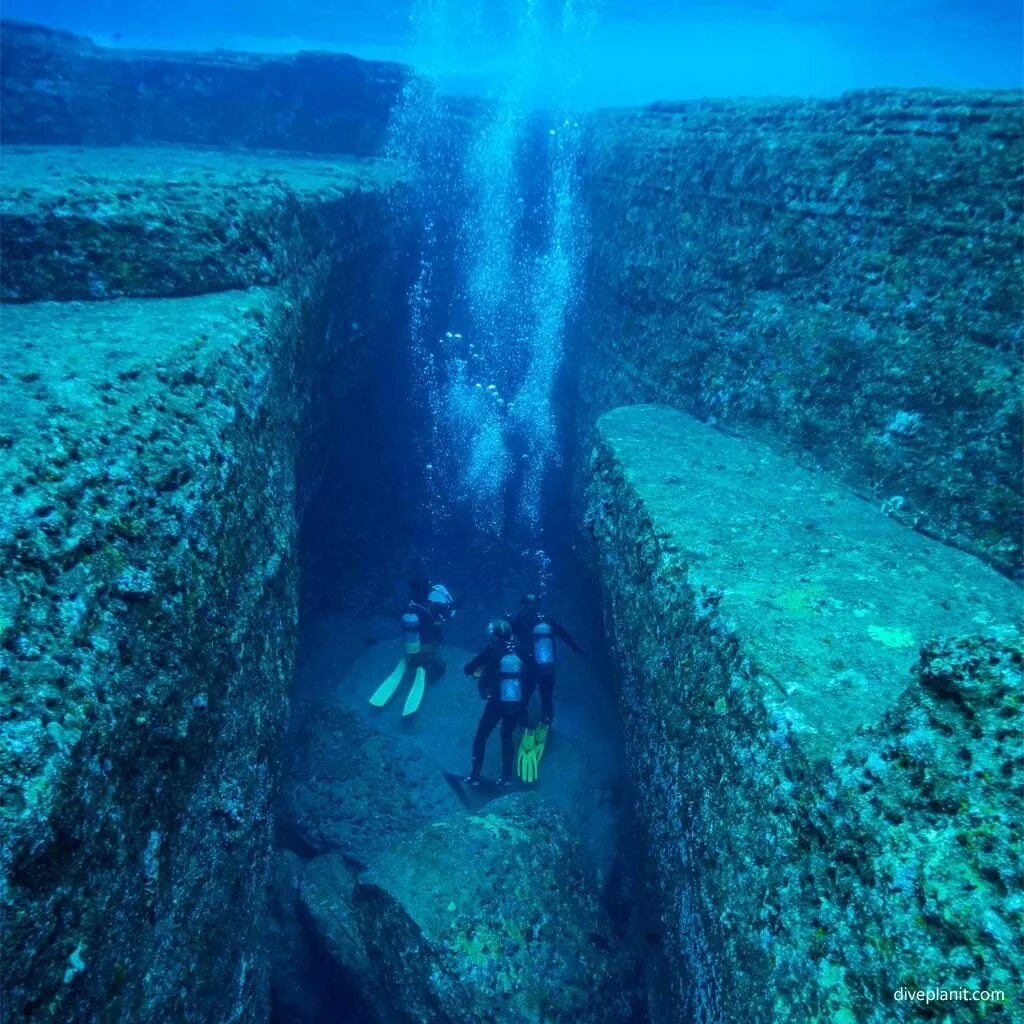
[{"x": 638, "y": 51}]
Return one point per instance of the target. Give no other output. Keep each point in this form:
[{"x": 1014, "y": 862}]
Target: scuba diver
[
  {"x": 535, "y": 635},
  {"x": 500, "y": 680},
  {"x": 431, "y": 605}
]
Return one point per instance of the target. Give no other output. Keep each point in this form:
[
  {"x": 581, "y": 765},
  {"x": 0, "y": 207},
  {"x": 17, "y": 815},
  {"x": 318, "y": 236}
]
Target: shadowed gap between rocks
[{"x": 531, "y": 907}]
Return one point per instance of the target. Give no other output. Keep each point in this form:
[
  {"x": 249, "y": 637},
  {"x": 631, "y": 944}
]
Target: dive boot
[
  {"x": 412, "y": 702},
  {"x": 386, "y": 690}
]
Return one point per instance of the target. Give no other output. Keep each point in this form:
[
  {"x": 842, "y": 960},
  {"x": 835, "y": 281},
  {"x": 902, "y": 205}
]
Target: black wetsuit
[
  {"x": 540, "y": 677},
  {"x": 431, "y": 635},
  {"x": 488, "y": 663}
]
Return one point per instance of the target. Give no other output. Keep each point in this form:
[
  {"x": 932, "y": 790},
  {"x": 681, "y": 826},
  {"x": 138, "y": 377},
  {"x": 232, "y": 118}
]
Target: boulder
[
  {"x": 353, "y": 790},
  {"x": 326, "y": 905},
  {"x": 489, "y": 917}
]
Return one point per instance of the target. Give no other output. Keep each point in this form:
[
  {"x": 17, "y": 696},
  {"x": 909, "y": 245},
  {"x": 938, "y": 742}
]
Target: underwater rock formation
[
  {"x": 61, "y": 88},
  {"x": 843, "y": 276},
  {"x": 149, "y": 607},
  {"x": 490, "y": 917},
  {"x": 354, "y": 790},
  {"x": 361, "y": 783},
  {"x": 103, "y": 223},
  {"x": 830, "y": 814},
  {"x": 826, "y": 820}
]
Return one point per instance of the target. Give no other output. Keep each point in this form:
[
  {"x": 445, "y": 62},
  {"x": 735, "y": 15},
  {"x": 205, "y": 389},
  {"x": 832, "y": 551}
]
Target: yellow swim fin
[
  {"x": 386, "y": 690},
  {"x": 531, "y": 750},
  {"x": 412, "y": 702},
  {"x": 524, "y": 759}
]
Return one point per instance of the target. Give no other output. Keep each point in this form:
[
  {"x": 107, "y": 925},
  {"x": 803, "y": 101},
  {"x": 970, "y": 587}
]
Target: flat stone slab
[
  {"x": 97, "y": 223},
  {"x": 830, "y": 599}
]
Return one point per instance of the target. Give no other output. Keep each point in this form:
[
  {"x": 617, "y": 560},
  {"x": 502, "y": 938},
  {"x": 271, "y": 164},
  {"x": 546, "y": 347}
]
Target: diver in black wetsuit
[
  {"x": 499, "y": 673},
  {"x": 432, "y": 605},
  {"x": 535, "y": 634}
]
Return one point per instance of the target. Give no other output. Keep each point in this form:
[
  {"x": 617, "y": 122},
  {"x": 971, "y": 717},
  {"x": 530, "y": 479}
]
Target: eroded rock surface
[
  {"x": 840, "y": 275},
  {"x": 103, "y": 223},
  {"x": 149, "y": 597},
  {"x": 489, "y": 917},
  {"x": 59, "y": 87},
  {"x": 803, "y": 747},
  {"x": 354, "y": 790}
]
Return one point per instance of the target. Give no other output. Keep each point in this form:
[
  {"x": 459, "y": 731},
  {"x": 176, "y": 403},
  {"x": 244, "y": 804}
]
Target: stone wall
[
  {"x": 149, "y": 595},
  {"x": 58, "y": 87},
  {"x": 828, "y": 777},
  {"x": 842, "y": 277}
]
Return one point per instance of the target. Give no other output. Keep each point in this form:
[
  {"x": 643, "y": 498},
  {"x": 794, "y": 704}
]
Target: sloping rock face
[
  {"x": 327, "y": 904},
  {"x": 830, "y": 795},
  {"x": 842, "y": 276},
  {"x": 488, "y": 917},
  {"x": 354, "y": 790},
  {"x": 148, "y": 605},
  {"x": 60, "y": 88}
]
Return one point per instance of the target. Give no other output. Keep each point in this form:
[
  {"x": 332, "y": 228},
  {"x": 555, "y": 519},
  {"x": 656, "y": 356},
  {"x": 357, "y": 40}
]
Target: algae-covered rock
[
  {"x": 102, "y": 223},
  {"x": 489, "y": 918},
  {"x": 828, "y": 795},
  {"x": 842, "y": 275},
  {"x": 926, "y": 812},
  {"x": 326, "y": 893},
  {"x": 149, "y": 451},
  {"x": 352, "y": 789},
  {"x": 59, "y": 87}
]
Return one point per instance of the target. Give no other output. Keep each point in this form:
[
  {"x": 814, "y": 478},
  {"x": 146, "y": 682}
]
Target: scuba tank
[
  {"x": 411, "y": 632},
  {"x": 510, "y": 678},
  {"x": 543, "y": 645}
]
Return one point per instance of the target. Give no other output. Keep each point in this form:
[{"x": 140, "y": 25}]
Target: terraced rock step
[
  {"x": 60, "y": 87},
  {"x": 802, "y": 742},
  {"x": 828, "y": 598},
  {"x": 841, "y": 276},
  {"x": 149, "y": 453},
  {"x": 100, "y": 223}
]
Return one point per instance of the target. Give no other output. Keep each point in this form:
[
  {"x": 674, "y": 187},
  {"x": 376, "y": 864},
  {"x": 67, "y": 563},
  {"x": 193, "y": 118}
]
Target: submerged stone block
[
  {"x": 490, "y": 917},
  {"x": 774, "y": 638},
  {"x": 56, "y": 87},
  {"x": 148, "y": 601},
  {"x": 351, "y": 789},
  {"x": 839, "y": 275},
  {"x": 148, "y": 620},
  {"x": 105, "y": 223}
]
